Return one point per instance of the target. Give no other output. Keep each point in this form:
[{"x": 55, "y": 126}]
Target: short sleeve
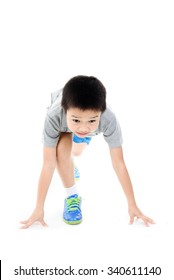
[
  {"x": 51, "y": 132},
  {"x": 112, "y": 133}
]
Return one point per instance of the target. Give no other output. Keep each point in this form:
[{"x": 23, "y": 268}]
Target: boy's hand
[
  {"x": 135, "y": 212},
  {"x": 37, "y": 216}
]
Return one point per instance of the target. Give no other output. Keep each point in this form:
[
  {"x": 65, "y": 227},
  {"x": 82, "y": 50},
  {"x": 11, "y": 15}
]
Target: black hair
[{"x": 85, "y": 93}]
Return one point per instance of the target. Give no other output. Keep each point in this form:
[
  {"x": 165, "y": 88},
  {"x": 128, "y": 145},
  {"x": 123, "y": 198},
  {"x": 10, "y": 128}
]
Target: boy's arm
[
  {"x": 49, "y": 164},
  {"x": 124, "y": 178}
]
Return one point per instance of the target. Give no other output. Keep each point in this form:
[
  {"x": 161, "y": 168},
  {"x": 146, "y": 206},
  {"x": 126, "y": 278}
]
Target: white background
[{"x": 129, "y": 46}]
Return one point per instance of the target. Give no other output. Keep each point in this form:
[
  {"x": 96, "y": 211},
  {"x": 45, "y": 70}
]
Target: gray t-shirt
[{"x": 55, "y": 123}]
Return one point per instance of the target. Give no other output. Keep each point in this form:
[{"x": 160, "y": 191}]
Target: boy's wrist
[
  {"x": 131, "y": 203},
  {"x": 39, "y": 207}
]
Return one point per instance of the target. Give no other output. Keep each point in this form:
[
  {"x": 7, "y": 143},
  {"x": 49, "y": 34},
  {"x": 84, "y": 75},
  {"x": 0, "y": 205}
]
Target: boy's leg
[
  {"x": 77, "y": 148},
  {"x": 79, "y": 144},
  {"x": 65, "y": 166}
]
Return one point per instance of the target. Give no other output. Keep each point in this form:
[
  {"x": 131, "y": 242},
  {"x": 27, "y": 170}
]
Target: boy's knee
[
  {"x": 64, "y": 146},
  {"x": 77, "y": 148},
  {"x": 76, "y": 153}
]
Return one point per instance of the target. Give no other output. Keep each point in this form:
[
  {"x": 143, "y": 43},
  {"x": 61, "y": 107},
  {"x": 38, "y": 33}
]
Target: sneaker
[
  {"x": 76, "y": 173},
  {"x": 72, "y": 213}
]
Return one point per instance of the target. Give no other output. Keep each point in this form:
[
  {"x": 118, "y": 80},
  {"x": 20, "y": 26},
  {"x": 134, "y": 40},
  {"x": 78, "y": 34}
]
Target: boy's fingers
[
  {"x": 24, "y": 222},
  {"x": 151, "y": 221},
  {"x": 146, "y": 220},
  {"x": 43, "y": 223},
  {"x": 25, "y": 226},
  {"x": 28, "y": 223},
  {"x": 131, "y": 220},
  {"x": 140, "y": 215}
]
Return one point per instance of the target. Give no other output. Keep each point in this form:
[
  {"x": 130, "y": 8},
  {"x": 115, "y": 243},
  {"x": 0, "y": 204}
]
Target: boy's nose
[{"x": 83, "y": 129}]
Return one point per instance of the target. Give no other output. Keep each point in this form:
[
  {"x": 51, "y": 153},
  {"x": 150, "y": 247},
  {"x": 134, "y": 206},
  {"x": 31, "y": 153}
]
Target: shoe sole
[
  {"x": 77, "y": 179},
  {"x": 72, "y": 222}
]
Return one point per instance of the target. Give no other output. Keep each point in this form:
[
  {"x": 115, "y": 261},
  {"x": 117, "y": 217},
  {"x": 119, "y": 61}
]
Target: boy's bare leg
[
  {"x": 65, "y": 164},
  {"x": 77, "y": 148},
  {"x": 72, "y": 205},
  {"x": 66, "y": 149}
]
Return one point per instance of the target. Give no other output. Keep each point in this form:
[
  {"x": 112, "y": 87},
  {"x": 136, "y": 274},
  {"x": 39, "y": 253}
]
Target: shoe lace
[{"x": 73, "y": 204}]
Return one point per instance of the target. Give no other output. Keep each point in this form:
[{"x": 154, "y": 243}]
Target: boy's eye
[{"x": 75, "y": 120}]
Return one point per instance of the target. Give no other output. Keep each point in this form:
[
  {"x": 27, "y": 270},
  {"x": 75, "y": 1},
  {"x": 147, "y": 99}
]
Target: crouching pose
[{"x": 78, "y": 112}]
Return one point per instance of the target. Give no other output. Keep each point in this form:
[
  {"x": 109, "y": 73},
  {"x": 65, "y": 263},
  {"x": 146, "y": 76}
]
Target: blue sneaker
[
  {"x": 72, "y": 213},
  {"x": 76, "y": 173}
]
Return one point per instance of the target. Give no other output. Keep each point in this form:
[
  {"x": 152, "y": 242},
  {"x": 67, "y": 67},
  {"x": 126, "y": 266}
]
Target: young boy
[{"x": 77, "y": 113}]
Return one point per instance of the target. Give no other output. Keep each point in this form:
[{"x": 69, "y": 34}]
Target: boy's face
[{"x": 82, "y": 122}]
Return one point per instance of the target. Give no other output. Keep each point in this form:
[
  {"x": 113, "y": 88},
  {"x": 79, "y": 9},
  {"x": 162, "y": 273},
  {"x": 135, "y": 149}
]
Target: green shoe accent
[
  {"x": 72, "y": 212},
  {"x": 72, "y": 222}
]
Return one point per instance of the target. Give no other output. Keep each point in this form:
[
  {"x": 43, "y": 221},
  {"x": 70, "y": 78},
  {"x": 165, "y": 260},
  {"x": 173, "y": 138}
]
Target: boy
[{"x": 77, "y": 113}]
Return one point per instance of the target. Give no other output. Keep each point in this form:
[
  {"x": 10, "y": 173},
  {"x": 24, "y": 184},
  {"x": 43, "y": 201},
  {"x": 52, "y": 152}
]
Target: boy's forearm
[
  {"x": 125, "y": 182},
  {"x": 43, "y": 185},
  {"x": 122, "y": 174}
]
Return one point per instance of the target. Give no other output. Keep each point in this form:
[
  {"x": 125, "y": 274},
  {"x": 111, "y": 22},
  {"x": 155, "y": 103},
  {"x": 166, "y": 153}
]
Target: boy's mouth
[{"x": 82, "y": 133}]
